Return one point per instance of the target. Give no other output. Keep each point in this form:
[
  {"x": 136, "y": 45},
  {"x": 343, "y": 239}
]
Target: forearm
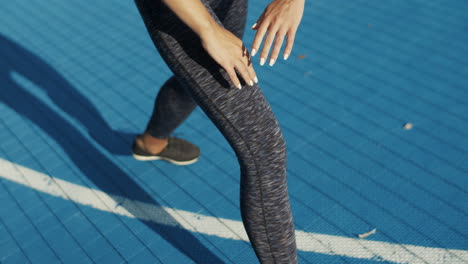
[{"x": 194, "y": 14}]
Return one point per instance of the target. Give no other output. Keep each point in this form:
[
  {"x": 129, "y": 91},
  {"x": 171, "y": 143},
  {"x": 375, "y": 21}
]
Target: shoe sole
[{"x": 148, "y": 158}]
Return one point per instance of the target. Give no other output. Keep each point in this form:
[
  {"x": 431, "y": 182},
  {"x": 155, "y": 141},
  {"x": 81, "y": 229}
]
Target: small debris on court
[
  {"x": 408, "y": 126},
  {"x": 302, "y": 56},
  {"x": 364, "y": 235}
]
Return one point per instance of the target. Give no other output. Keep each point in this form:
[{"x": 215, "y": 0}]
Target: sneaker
[{"x": 178, "y": 151}]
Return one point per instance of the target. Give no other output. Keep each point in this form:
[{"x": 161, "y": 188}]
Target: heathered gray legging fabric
[{"x": 244, "y": 117}]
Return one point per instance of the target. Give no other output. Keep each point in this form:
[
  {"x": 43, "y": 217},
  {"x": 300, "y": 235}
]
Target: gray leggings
[{"x": 244, "y": 117}]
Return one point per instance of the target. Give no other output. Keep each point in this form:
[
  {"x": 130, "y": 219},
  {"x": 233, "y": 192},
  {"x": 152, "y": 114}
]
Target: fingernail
[
  {"x": 255, "y": 79},
  {"x": 254, "y": 51},
  {"x": 251, "y": 83},
  {"x": 254, "y": 25},
  {"x": 285, "y": 57},
  {"x": 272, "y": 61},
  {"x": 262, "y": 61},
  {"x": 239, "y": 86}
]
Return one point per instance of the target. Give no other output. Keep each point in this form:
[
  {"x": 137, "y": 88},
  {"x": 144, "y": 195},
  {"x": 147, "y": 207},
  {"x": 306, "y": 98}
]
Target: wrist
[{"x": 208, "y": 28}]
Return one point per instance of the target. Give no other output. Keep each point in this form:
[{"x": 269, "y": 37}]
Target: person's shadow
[{"x": 108, "y": 177}]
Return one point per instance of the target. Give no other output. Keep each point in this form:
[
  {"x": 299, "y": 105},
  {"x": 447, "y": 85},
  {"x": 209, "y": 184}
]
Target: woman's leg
[
  {"x": 245, "y": 119},
  {"x": 172, "y": 106}
]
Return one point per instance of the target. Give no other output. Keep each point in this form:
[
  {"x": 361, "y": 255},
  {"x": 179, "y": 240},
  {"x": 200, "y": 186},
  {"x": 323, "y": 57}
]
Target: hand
[
  {"x": 230, "y": 52},
  {"x": 280, "y": 18}
]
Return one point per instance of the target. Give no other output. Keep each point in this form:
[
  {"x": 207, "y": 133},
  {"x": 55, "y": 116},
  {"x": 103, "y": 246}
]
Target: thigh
[{"x": 233, "y": 15}]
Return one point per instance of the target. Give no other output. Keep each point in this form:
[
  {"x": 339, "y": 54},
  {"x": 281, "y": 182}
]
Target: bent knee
[{"x": 271, "y": 146}]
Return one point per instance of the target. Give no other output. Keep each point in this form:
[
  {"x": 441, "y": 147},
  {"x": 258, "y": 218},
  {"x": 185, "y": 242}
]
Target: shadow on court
[{"x": 97, "y": 167}]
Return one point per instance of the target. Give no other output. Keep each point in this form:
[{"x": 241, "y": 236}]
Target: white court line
[{"x": 225, "y": 228}]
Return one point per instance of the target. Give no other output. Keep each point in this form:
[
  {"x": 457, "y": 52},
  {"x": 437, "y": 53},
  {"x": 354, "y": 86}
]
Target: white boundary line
[{"x": 226, "y": 228}]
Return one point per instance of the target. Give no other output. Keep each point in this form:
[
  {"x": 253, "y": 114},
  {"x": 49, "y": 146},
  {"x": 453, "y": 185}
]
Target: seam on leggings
[{"x": 169, "y": 51}]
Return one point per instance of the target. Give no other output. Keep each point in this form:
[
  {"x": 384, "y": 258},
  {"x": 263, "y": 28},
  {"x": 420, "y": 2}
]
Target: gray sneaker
[{"x": 178, "y": 151}]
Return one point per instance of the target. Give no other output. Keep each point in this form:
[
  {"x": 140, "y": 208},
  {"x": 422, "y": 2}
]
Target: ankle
[{"x": 152, "y": 143}]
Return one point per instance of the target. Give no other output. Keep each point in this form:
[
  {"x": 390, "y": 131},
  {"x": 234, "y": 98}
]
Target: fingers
[
  {"x": 289, "y": 43},
  {"x": 247, "y": 60},
  {"x": 242, "y": 65},
  {"x": 232, "y": 74},
  {"x": 244, "y": 72},
  {"x": 276, "y": 35},
  {"x": 276, "y": 49},
  {"x": 261, "y": 30},
  {"x": 250, "y": 70},
  {"x": 252, "y": 73},
  {"x": 259, "y": 21},
  {"x": 267, "y": 45}
]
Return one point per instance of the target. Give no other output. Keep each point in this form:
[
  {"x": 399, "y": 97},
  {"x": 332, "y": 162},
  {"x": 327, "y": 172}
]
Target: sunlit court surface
[{"x": 373, "y": 104}]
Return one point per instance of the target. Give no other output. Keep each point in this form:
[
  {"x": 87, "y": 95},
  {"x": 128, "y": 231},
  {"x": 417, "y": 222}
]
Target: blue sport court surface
[{"x": 373, "y": 103}]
